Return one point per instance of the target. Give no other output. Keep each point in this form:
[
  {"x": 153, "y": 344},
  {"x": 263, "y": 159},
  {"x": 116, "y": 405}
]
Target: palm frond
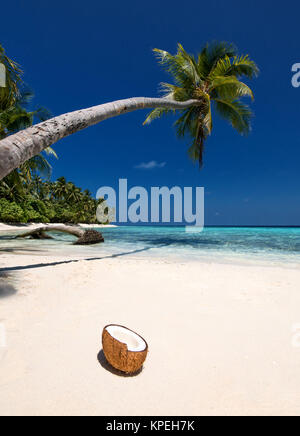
[
  {"x": 183, "y": 124},
  {"x": 196, "y": 150},
  {"x": 207, "y": 121},
  {"x": 10, "y": 94},
  {"x": 15, "y": 118},
  {"x": 237, "y": 66},
  {"x": 230, "y": 88},
  {"x": 173, "y": 92},
  {"x": 51, "y": 152},
  {"x": 35, "y": 165},
  {"x": 26, "y": 95},
  {"x": 176, "y": 66},
  {"x": 189, "y": 64},
  {"x": 42, "y": 114},
  {"x": 211, "y": 54},
  {"x": 156, "y": 113},
  {"x": 237, "y": 113}
]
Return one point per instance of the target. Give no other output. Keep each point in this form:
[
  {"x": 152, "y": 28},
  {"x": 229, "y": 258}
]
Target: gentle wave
[{"x": 221, "y": 244}]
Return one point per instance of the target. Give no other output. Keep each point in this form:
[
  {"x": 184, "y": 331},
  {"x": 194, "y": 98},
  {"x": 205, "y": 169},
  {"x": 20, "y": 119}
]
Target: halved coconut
[{"x": 123, "y": 348}]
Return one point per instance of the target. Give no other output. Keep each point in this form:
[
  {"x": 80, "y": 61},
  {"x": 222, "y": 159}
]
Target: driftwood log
[{"x": 85, "y": 237}]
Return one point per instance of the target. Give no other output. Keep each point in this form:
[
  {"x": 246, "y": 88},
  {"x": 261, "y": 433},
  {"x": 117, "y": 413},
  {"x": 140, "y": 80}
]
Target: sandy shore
[
  {"x": 220, "y": 337},
  {"x": 32, "y": 226}
]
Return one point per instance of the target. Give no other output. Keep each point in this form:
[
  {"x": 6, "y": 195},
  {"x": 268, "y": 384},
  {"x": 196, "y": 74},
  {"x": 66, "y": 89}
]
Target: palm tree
[
  {"x": 10, "y": 93},
  {"x": 212, "y": 76},
  {"x": 59, "y": 189},
  {"x": 39, "y": 189},
  {"x": 73, "y": 194},
  {"x": 14, "y": 116},
  {"x": 10, "y": 190}
]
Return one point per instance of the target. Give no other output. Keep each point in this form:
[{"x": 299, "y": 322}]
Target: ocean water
[{"x": 251, "y": 245}]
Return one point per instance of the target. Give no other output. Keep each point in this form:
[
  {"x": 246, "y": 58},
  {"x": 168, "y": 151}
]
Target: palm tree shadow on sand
[
  {"x": 41, "y": 265},
  {"x": 104, "y": 363},
  {"x": 6, "y": 288}
]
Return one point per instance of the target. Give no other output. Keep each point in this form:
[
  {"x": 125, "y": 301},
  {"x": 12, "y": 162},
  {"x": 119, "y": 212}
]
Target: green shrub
[
  {"x": 10, "y": 212},
  {"x": 43, "y": 202}
]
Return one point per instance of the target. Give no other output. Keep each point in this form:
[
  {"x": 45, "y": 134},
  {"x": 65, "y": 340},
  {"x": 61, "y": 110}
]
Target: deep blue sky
[{"x": 77, "y": 54}]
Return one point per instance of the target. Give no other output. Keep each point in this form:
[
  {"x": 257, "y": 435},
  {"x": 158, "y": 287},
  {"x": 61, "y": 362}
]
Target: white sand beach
[
  {"x": 220, "y": 337},
  {"x": 32, "y": 226}
]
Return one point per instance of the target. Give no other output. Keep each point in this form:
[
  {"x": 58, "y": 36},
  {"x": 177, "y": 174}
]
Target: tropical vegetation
[
  {"x": 27, "y": 194},
  {"x": 15, "y": 115},
  {"x": 212, "y": 76},
  {"x": 201, "y": 84},
  {"x": 48, "y": 202}
]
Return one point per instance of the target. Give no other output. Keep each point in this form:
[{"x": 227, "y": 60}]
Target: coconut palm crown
[{"x": 213, "y": 78}]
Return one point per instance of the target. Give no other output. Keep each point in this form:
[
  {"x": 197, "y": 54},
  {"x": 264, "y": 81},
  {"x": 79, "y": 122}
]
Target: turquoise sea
[{"x": 263, "y": 245}]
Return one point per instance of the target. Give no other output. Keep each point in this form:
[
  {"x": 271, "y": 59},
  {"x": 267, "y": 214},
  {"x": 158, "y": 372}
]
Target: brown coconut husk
[{"x": 118, "y": 355}]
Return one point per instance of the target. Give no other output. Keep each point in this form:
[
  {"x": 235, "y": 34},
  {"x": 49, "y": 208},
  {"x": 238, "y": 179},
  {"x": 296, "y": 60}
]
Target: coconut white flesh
[{"x": 133, "y": 341}]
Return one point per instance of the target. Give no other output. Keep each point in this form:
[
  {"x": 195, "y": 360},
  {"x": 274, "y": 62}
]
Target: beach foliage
[
  {"x": 16, "y": 114},
  {"x": 48, "y": 202},
  {"x": 26, "y": 194}
]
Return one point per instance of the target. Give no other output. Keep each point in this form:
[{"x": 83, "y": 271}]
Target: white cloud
[{"x": 150, "y": 165}]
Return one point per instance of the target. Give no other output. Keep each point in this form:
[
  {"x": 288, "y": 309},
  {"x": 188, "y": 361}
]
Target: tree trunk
[
  {"x": 85, "y": 237},
  {"x": 18, "y": 148}
]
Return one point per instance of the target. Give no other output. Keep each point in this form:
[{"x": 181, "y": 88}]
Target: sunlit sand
[{"x": 220, "y": 337}]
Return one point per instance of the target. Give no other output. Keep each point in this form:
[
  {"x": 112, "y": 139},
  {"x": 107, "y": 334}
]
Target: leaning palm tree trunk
[{"x": 18, "y": 148}]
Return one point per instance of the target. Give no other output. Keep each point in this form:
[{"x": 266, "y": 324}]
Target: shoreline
[
  {"x": 139, "y": 250},
  {"x": 33, "y": 226}
]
